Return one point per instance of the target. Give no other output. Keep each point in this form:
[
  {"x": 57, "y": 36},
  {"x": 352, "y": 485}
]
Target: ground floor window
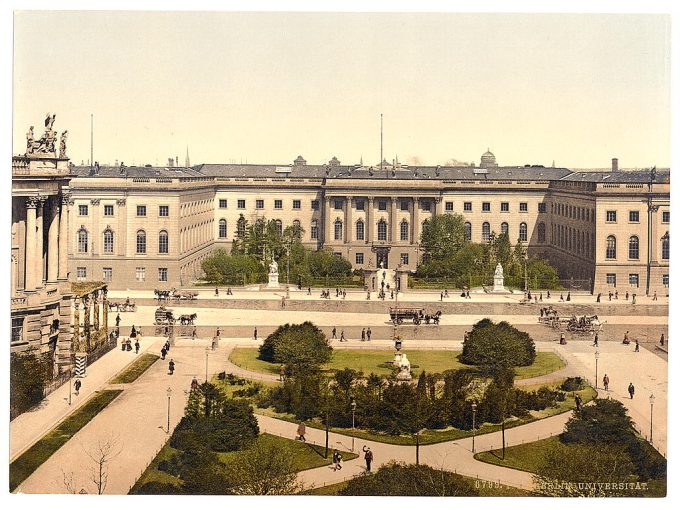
[
  {"x": 404, "y": 258},
  {"x": 611, "y": 279},
  {"x": 140, "y": 274},
  {"x": 162, "y": 274},
  {"x": 81, "y": 273},
  {"x": 634, "y": 280},
  {"x": 664, "y": 280},
  {"x": 17, "y": 329},
  {"x": 359, "y": 258},
  {"x": 107, "y": 274}
]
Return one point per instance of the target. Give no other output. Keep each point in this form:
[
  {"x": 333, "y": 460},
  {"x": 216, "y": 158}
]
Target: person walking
[
  {"x": 540, "y": 297},
  {"x": 77, "y": 386},
  {"x": 561, "y": 297},
  {"x": 610, "y": 295},
  {"x": 301, "y": 432},
  {"x": 599, "y": 295},
  {"x": 133, "y": 332},
  {"x": 654, "y": 298},
  {"x": 563, "y": 341},
  {"x": 171, "y": 366},
  {"x": 662, "y": 340},
  {"x": 117, "y": 320},
  {"x": 595, "y": 341},
  {"x": 637, "y": 345},
  {"x": 548, "y": 295},
  {"x": 282, "y": 374},
  {"x": 137, "y": 346},
  {"x": 363, "y": 334},
  {"x": 578, "y": 401},
  {"x": 368, "y": 457},
  {"x": 213, "y": 344},
  {"x": 605, "y": 382},
  {"x": 193, "y": 333},
  {"x": 368, "y": 335},
  {"x": 626, "y": 341},
  {"x": 163, "y": 352},
  {"x": 337, "y": 459},
  {"x": 255, "y": 334},
  {"x": 342, "y": 336},
  {"x": 441, "y": 296},
  {"x": 634, "y": 296},
  {"x": 626, "y": 295},
  {"x": 333, "y": 333},
  {"x": 569, "y": 296},
  {"x": 467, "y": 294},
  {"x": 194, "y": 383},
  {"x": 616, "y": 294},
  {"x": 217, "y": 291},
  {"x": 631, "y": 390},
  {"x": 167, "y": 346}
]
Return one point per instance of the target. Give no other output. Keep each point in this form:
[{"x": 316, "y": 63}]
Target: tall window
[
  {"x": 108, "y": 241},
  {"x": 82, "y": 210},
  {"x": 140, "y": 274},
  {"x": 523, "y": 207},
  {"x": 382, "y": 230},
  {"x": 223, "y": 228},
  {"x": 223, "y": 203},
  {"x": 163, "y": 241},
  {"x": 297, "y": 229},
  {"x": 541, "y": 232},
  {"x": 359, "y": 258},
  {"x": 141, "y": 210},
  {"x": 611, "y": 217},
  {"x": 468, "y": 231},
  {"x": 523, "y": 232},
  {"x": 17, "y": 329},
  {"x": 504, "y": 228},
  {"x": 241, "y": 227},
  {"x": 611, "y": 248},
  {"x": 665, "y": 247},
  {"x": 107, "y": 273},
  {"x": 141, "y": 242},
  {"x": 403, "y": 230},
  {"x": 162, "y": 274},
  {"x": 279, "y": 226},
  {"x": 486, "y": 231},
  {"x": 82, "y": 241},
  {"x": 241, "y": 203},
  {"x": 108, "y": 210},
  {"x": 337, "y": 230},
  {"x": 314, "y": 230},
  {"x": 634, "y": 248},
  {"x": 296, "y": 204},
  {"x": 278, "y": 204},
  {"x": 360, "y": 230}
]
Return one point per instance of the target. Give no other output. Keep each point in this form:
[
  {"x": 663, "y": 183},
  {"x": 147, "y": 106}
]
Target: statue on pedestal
[
  {"x": 62, "y": 144},
  {"x": 273, "y": 274},
  {"x": 273, "y": 266},
  {"x": 404, "y": 369},
  {"x": 498, "y": 279}
]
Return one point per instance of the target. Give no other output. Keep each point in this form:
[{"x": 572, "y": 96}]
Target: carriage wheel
[
  {"x": 399, "y": 320},
  {"x": 416, "y": 320}
]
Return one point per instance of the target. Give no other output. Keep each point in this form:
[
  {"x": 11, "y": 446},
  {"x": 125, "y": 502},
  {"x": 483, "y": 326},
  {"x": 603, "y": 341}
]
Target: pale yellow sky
[{"x": 265, "y": 87}]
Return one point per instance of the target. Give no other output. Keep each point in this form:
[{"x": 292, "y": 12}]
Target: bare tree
[
  {"x": 105, "y": 451},
  {"x": 69, "y": 484}
]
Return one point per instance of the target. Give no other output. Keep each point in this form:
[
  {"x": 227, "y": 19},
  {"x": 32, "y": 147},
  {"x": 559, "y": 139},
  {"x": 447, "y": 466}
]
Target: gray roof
[
  {"x": 136, "y": 171},
  {"x": 637, "y": 176}
]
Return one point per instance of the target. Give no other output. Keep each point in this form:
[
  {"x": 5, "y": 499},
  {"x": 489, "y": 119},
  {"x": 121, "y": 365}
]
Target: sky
[{"x": 577, "y": 89}]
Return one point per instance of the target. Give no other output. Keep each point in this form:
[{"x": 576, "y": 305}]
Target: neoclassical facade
[{"x": 146, "y": 227}]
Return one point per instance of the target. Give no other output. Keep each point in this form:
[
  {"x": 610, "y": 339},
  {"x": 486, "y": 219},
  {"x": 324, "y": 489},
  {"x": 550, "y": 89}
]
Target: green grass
[
  {"x": 379, "y": 361},
  {"x": 152, "y": 474},
  {"x": 136, "y": 369},
  {"x": 525, "y": 457},
  {"x": 32, "y": 458}
]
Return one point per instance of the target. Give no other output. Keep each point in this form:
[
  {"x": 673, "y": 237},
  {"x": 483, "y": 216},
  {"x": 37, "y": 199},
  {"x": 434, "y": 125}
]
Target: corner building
[{"x": 146, "y": 227}]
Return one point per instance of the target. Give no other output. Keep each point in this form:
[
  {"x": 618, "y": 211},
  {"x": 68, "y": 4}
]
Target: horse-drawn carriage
[
  {"x": 164, "y": 316},
  {"x": 122, "y": 306},
  {"x": 187, "y": 319},
  {"x": 399, "y": 314},
  {"x": 583, "y": 324},
  {"x": 161, "y": 295},
  {"x": 183, "y": 295}
]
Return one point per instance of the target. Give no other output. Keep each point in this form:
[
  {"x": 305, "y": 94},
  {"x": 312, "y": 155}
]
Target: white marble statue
[
  {"x": 273, "y": 267},
  {"x": 404, "y": 369},
  {"x": 499, "y": 271}
]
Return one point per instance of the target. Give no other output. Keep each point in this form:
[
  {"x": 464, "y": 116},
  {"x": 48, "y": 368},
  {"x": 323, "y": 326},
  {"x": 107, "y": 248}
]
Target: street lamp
[
  {"x": 651, "y": 418},
  {"x": 474, "y": 424},
  {"x": 353, "y": 405},
  {"x": 597, "y": 356},
  {"x": 169, "y": 392},
  {"x": 207, "y": 350}
]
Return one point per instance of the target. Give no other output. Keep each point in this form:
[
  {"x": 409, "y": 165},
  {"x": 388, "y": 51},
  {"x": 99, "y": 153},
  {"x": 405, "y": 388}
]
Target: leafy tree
[
  {"x": 28, "y": 375},
  {"x": 221, "y": 268},
  {"x": 497, "y": 347},
  {"x": 398, "y": 479},
  {"x": 605, "y": 421},
  {"x": 263, "y": 469},
  {"x": 442, "y": 235},
  {"x": 302, "y": 348}
]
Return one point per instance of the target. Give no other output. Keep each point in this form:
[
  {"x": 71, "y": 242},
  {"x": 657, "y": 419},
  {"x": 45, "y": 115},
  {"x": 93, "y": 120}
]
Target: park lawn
[
  {"x": 152, "y": 474},
  {"x": 228, "y": 389},
  {"x": 135, "y": 369},
  {"x": 525, "y": 457},
  {"x": 379, "y": 361},
  {"x": 32, "y": 458}
]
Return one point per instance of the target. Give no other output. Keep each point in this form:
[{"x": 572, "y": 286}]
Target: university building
[{"x": 146, "y": 227}]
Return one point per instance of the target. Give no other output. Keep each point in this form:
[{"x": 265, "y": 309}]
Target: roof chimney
[{"x": 615, "y": 164}]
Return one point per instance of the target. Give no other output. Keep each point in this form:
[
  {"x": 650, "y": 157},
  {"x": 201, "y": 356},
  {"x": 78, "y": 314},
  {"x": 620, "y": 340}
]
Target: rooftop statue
[{"x": 62, "y": 144}]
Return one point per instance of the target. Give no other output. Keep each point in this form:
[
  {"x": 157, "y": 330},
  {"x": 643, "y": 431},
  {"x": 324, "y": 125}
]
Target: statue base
[
  {"x": 498, "y": 286},
  {"x": 273, "y": 281}
]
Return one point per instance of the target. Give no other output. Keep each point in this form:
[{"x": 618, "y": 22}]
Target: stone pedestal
[
  {"x": 498, "y": 284},
  {"x": 273, "y": 281}
]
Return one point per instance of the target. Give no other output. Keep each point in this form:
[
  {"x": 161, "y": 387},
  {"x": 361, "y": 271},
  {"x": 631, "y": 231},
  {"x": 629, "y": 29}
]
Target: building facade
[{"x": 143, "y": 227}]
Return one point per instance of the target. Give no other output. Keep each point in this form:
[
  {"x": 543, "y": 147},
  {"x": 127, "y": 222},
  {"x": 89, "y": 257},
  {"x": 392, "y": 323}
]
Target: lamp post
[
  {"x": 353, "y": 405},
  {"x": 651, "y": 418},
  {"x": 474, "y": 424},
  {"x": 597, "y": 356},
  {"x": 207, "y": 350},
  {"x": 169, "y": 393}
]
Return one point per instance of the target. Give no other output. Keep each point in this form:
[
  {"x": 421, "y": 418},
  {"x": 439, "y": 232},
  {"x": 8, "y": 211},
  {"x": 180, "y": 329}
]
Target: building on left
[{"x": 40, "y": 291}]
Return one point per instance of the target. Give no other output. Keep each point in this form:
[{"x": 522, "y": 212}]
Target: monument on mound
[{"x": 273, "y": 275}]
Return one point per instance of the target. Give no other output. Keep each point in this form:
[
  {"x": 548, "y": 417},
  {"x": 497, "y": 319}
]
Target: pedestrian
[
  {"x": 77, "y": 386},
  {"x": 283, "y": 301},
  {"x": 309, "y": 291},
  {"x": 133, "y": 332},
  {"x": 599, "y": 295},
  {"x": 569, "y": 296},
  {"x": 136, "y": 346},
  {"x": 654, "y": 298},
  {"x": 123, "y": 345},
  {"x": 167, "y": 345},
  {"x": 541, "y": 312},
  {"x": 255, "y": 334},
  {"x": 441, "y": 296},
  {"x": 391, "y": 294},
  {"x": 605, "y": 382},
  {"x": 171, "y": 366},
  {"x": 626, "y": 341},
  {"x": 217, "y": 332},
  {"x": 301, "y": 432},
  {"x": 626, "y": 295},
  {"x": 529, "y": 296},
  {"x": 117, "y": 320},
  {"x": 344, "y": 294},
  {"x": 363, "y": 334},
  {"x": 193, "y": 333},
  {"x": 217, "y": 291},
  {"x": 631, "y": 390},
  {"x": 229, "y": 292},
  {"x": 368, "y": 335},
  {"x": 634, "y": 296},
  {"x": 548, "y": 295},
  {"x": 467, "y": 294},
  {"x": 662, "y": 340},
  {"x": 337, "y": 459},
  {"x": 595, "y": 342},
  {"x": 368, "y": 295},
  {"x": 540, "y": 297},
  {"x": 578, "y": 401},
  {"x": 213, "y": 345},
  {"x": 563, "y": 341},
  {"x": 535, "y": 299},
  {"x": 637, "y": 345},
  {"x": 282, "y": 373},
  {"x": 610, "y": 295},
  {"x": 194, "y": 383},
  {"x": 368, "y": 457},
  {"x": 163, "y": 353},
  {"x": 333, "y": 336},
  {"x": 342, "y": 336},
  {"x": 561, "y": 297},
  {"x": 616, "y": 294}
]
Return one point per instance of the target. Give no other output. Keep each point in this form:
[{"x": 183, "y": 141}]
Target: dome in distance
[{"x": 488, "y": 160}]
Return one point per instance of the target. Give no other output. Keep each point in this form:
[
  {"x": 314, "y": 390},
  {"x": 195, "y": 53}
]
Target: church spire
[{"x": 187, "y": 162}]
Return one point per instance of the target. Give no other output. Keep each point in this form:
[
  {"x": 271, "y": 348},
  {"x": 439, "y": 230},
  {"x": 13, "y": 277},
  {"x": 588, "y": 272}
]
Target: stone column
[
  {"x": 39, "y": 266},
  {"x": 86, "y": 322},
  {"x": 63, "y": 238},
  {"x": 95, "y": 320},
  {"x": 415, "y": 219},
  {"x": 437, "y": 206},
  {"x": 394, "y": 234},
  {"x": 327, "y": 224},
  {"x": 655, "y": 241},
  {"x": 369, "y": 219},
  {"x": 53, "y": 241},
  {"x": 120, "y": 238},
  {"x": 95, "y": 238},
  {"x": 76, "y": 325},
  {"x": 348, "y": 219},
  {"x": 29, "y": 271},
  {"x": 105, "y": 313}
]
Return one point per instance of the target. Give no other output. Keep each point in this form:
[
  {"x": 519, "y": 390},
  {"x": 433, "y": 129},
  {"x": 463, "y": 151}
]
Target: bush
[
  {"x": 496, "y": 347},
  {"x": 159, "y": 489},
  {"x": 573, "y": 384},
  {"x": 28, "y": 375}
]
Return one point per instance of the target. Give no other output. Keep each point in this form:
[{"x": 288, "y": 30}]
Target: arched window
[
  {"x": 279, "y": 226},
  {"x": 504, "y": 228},
  {"x": 241, "y": 227},
  {"x": 634, "y": 248},
  {"x": 108, "y": 241},
  {"x": 141, "y": 241},
  {"x": 541, "y": 232},
  {"x": 486, "y": 231},
  {"x": 382, "y": 230},
  {"x": 611, "y": 248},
  {"x": 163, "y": 241},
  {"x": 403, "y": 230},
  {"x": 297, "y": 229},
  {"x": 468, "y": 231},
  {"x": 223, "y": 228},
  {"x": 360, "y": 230},
  {"x": 665, "y": 247},
  {"x": 338, "y": 230},
  {"x": 523, "y": 232},
  {"x": 82, "y": 241}
]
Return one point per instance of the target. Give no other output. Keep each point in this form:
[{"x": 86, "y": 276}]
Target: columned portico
[
  {"x": 348, "y": 219},
  {"x": 39, "y": 262},
  {"x": 63, "y": 238},
  {"x": 31, "y": 244},
  {"x": 415, "y": 220},
  {"x": 327, "y": 223},
  {"x": 369, "y": 219},
  {"x": 53, "y": 240},
  {"x": 394, "y": 236}
]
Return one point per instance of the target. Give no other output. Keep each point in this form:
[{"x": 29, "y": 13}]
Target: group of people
[
  {"x": 337, "y": 457},
  {"x": 605, "y": 385},
  {"x": 126, "y": 344},
  {"x": 165, "y": 349},
  {"x": 326, "y": 293},
  {"x": 342, "y": 334},
  {"x": 549, "y": 312},
  {"x": 615, "y": 295},
  {"x": 229, "y": 292}
]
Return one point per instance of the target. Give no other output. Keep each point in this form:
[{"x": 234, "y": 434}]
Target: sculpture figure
[
  {"x": 30, "y": 141},
  {"x": 499, "y": 271},
  {"x": 62, "y": 144},
  {"x": 273, "y": 267}
]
